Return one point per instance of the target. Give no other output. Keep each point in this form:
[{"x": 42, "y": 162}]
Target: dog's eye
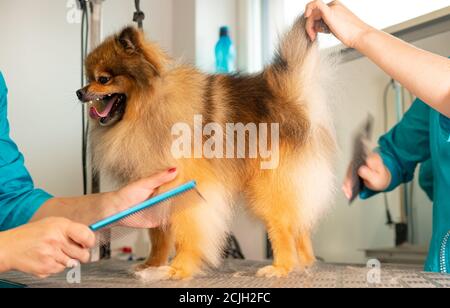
[{"x": 104, "y": 80}]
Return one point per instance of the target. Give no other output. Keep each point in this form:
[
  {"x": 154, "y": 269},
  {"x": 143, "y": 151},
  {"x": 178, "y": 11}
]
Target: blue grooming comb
[{"x": 143, "y": 206}]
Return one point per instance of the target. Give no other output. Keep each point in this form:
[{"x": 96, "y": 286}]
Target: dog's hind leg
[
  {"x": 282, "y": 239},
  {"x": 272, "y": 199},
  {"x": 305, "y": 250}
]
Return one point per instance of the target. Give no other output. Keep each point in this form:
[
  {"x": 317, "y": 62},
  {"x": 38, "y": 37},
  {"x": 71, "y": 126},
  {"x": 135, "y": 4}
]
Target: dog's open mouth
[{"x": 108, "y": 109}]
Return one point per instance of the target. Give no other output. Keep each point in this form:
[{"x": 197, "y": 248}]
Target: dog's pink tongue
[{"x": 96, "y": 115}]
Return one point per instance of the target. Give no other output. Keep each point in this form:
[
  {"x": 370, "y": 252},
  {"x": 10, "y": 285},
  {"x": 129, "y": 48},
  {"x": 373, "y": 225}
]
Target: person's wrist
[
  {"x": 108, "y": 204},
  {"x": 362, "y": 37}
]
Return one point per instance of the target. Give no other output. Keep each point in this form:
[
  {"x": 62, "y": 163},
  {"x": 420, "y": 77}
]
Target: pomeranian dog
[{"x": 139, "y": 94}]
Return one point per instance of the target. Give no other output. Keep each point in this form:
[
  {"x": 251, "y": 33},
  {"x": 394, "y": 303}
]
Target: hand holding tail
[{"x": 334, "y": 17}]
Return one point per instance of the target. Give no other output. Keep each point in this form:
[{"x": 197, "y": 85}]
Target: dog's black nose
[{"x": 80, "y": 95}]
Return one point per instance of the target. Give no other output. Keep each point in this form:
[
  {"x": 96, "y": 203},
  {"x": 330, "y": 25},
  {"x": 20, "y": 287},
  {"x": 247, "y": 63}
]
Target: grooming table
[{"x": 241, "y": 274}]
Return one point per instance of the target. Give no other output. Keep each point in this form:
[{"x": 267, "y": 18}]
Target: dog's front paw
[
  {"x": 272, "y": 271},
  {"x": 179, "y": 274},
  {"x": 154, "y": 274},
  {"x": 140, "y": 267},
  {"x": 307, "y": 262},
  {"x": 306, "y": 259}
]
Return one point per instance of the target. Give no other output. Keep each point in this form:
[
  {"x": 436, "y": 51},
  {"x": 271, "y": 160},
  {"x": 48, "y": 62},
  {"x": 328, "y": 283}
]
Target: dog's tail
[
  {"x": 302, "y": 75},
  {"x": 295, "y": 66}
]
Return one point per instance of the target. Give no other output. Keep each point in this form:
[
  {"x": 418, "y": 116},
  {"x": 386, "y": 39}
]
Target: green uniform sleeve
[
  {"x": 445, "y": 126},
  {"x": 426, "y": 179},
  {"x": 405, "y": 146}
]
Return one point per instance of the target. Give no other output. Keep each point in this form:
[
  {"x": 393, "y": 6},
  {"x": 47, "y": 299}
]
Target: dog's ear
[
  {"x": 132, "y": 41},
  {"x": 129, "y": 39}
]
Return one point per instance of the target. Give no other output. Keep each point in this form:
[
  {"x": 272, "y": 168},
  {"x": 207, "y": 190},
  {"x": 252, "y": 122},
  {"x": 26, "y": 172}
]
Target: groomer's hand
[
  {"x": 375, "y": 174},
  {"x": 46, "y": 247},
  {"x": 136, "y": 193},
  {"x": 141, "y": 190},
  {"x": 345, "y": 25}
]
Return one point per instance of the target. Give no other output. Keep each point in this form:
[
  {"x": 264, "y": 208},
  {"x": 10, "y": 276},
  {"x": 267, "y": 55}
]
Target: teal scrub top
[
  {"x": 426, "y": 178},
  {"x": 19, "y": 200},
  {"x": 423, "y": 135}
]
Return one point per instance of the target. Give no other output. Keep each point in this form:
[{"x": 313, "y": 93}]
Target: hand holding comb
[{"x": 141, "y": 216}]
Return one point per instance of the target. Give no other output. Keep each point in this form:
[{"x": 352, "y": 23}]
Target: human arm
[
  {"x": 92, "y": 208},
  {"x": 424, "y": 74}
]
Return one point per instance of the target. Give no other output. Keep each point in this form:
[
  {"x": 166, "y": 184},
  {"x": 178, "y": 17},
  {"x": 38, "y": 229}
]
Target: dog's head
[{"x": 119, "y": 71}]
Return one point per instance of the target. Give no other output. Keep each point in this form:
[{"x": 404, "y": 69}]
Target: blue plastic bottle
[{"x": 225, "y": 53}]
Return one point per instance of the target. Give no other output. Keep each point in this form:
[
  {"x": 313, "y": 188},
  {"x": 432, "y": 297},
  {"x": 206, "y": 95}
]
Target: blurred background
[{"x": 40, "y": 58}]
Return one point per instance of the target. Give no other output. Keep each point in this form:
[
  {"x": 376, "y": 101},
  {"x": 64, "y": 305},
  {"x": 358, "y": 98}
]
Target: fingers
[
  {"x": 310, "y": 20},
  {"x": 139, "y": 191},
  {"x": 80, "y": 235},
  {"x": 375, "y": 175},
  {"x": 152, "y": 182},
  {"x": 316, "y": 14},
  {"x": 321, "y": 27},
  {"x": 50, "y": 263},
  {"x": 366, "y": 173},
  {"x": 157, "y": 180},
  {"x": 72, "y": 251},
  {"x": 373, "y": 169},
  {"x": 80, "y": 238},
  {"x": 310, "y": 7},
  {"x": 63, "y": 258},
  {"x": 144, "y": 188},
  {"x": 317, "y": 6},
  {"x": 310, "y": 25},
  {"x": 347, "y": 186},
  {"x": 50, "y": 268},
  {"x": 375, "y": 162},
  {"x": 59, "y": 261},
  {"x": 347, "y": 189}
]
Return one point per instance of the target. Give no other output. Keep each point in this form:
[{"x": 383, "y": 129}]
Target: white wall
[
  {"x": 40, "y": 58},
  {"x": 184, "y": 15},
  {"x": 158, "y": 23}
]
